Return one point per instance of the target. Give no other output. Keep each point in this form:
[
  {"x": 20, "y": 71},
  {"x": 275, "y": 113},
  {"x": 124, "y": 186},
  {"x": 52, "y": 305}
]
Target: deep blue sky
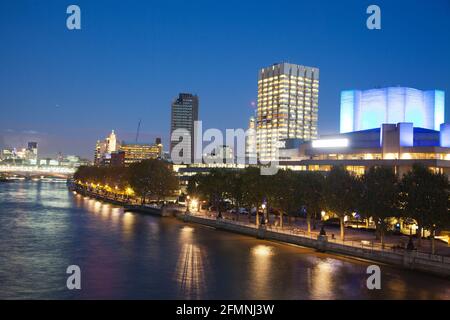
[{"x": 66, "y": 89}]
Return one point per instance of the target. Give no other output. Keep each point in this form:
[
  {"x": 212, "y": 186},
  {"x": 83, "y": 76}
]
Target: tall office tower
[
  {"x": 250, "y": 140},
  {"x": 184, "y": 114},
  {"x": 369, "y": 109},
  {"x": 288, "y": 103}
]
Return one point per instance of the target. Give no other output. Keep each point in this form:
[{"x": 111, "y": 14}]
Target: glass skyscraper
[
  {"x": 288, "y": 102},
  {"x": 184, "y": 114}
]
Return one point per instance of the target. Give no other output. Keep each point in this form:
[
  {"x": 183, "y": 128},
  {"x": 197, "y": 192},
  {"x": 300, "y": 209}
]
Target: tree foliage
[
  {"x": 341, "y": 193},
  {"x": 379, "y": 197},
  {"x": 149, "y": 178},
  {"x": 424, "y": 197}
]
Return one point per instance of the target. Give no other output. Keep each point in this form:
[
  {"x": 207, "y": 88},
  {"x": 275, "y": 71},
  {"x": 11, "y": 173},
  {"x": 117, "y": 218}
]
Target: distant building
[
  {"x": 221, "y": 154},
  {"x": 8, "y": 153},
  {"x": 26, "y": 155},
  {"x": 73, "y": 161},
  {"x": 183, "y": 115},
  {"x": 288, "y": 103},
  {"x": 250, "y": 140},
  {"x": 118, "y": 159},
  {"x": 32, "y": 151},
  {"x": 369, "y": 109},
  {"x": 104, "y": 148},
  {"x": 100, "y": 150},
  {"x": 166, "y": 156},
  {"x": 135, "y": 152},
  {"x": 111, "y": 143}
]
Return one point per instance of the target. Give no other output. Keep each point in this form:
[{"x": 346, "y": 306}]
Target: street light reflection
[
  {"x": 190, "y": 271},
  {"x": 262, "y": 250},
  {"x": 261, "y": 257},
  {"x": 322, "y": 279}
]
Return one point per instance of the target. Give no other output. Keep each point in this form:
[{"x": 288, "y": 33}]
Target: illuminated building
[
  {"x": 288, "y": 96},
  {"x": 32, "y": 151},
  {"x": 104, "y": 148},
  {"x": 220, "y": 154},
  {"x": 183, "y": 115},
  {"x": 362, "y": 110},
  {"x": 73, "y": 161},
  {"x": 250, "y": 140},
  {"x": 111, "y": 142},
  {"x": 135, "y": 152},
  {"x": 393, "y": 145},
  {"x": 7, "y": 154},
  {"x": 26, "y": 155},
  {"x": 100, "y": 150}
]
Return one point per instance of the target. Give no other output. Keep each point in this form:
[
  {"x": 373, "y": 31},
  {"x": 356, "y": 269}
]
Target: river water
[{"x": 44, "y": 228}]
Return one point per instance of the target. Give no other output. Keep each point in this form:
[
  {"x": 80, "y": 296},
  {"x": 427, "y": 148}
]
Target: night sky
[{"x": 66, "y": 89}]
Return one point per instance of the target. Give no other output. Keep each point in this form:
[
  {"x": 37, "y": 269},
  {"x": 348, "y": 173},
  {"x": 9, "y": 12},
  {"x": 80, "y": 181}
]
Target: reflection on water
[
  {"x": 322, "y": 278},
  {"x": 44, "y": 228},
  {"x": 261, "y": 257},
  {"x": 190, "y": 271},
  {"x": 116, "y": 216},
  {"x": 190, "y": 268},
  {"x": 262, "y": 251}
]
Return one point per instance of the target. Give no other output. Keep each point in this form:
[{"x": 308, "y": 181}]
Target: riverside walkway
[
  {"x": 353, "y": 236},
  {"x": 410, "y": 259},
  {"x": 294, "y": 233}
]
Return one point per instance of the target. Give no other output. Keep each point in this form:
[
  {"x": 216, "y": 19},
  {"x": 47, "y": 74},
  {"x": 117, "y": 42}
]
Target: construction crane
[{"x": 138, "y": 129}]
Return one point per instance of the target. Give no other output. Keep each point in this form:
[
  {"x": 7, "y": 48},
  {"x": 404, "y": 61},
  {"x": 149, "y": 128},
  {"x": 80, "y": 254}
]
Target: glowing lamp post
[
  {"x": 187, "y": 204},
  {"x": 263, "y": 206},
  {"x": 194, "y": 205}
]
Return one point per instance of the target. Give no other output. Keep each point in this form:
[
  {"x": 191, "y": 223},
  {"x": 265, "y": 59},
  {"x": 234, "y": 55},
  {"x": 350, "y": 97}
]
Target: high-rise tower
[
  {"x": 183, "y": 116},
  {"x": 288, "y": 102}
]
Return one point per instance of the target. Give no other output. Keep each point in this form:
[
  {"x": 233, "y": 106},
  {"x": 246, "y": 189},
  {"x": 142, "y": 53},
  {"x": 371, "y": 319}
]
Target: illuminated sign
[{"x": 330, "y": 143}]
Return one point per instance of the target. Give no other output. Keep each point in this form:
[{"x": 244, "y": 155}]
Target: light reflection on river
[{"x": 44, "y": 228}]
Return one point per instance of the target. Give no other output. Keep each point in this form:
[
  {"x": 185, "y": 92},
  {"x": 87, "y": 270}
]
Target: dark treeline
[
  {"x": 148, "y": 179},
  {"x": 379, "y": 194}
]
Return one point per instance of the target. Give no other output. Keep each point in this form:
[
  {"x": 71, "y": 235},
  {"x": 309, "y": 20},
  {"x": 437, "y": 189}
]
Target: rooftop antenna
[{"x": 137, "y": 131}]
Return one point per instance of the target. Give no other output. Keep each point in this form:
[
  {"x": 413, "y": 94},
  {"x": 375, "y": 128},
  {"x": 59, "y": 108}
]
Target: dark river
[{"x": 44, "y": 228}]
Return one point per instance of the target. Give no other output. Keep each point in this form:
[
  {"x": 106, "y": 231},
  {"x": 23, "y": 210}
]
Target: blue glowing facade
[{"x": 363, "y": 110}]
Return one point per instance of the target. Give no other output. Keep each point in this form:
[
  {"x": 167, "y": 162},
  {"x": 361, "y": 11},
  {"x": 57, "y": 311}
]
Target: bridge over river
[{"x": 36, "y": 171}]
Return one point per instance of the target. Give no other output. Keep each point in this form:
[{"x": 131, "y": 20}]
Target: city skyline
[
  {"x": 223, "y": 157},
  {"x": 59, "y": 88}
]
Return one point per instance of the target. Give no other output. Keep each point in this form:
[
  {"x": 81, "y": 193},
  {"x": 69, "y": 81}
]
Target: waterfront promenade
[
  {"x": 353, "y": 236},
  {"x": 355, "y": 245},
  {"x": 410, "y": 259}
]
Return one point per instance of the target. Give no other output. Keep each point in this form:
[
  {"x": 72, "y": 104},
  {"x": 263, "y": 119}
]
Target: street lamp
[
  {"x": 187, "y": 204},
  {"x": 263, "y": 206},
  {"x": 194, "y": 204}
]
